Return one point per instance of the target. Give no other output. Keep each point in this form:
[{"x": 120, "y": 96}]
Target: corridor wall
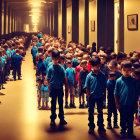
[{"x": 131, "y": 38}]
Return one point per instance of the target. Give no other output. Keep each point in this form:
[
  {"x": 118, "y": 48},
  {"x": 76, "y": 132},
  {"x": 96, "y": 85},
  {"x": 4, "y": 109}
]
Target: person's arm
[
  {"x": 116, "y": 96},
  {"x": 88, "y": 92},
  {"x": 117, "y": 102}
]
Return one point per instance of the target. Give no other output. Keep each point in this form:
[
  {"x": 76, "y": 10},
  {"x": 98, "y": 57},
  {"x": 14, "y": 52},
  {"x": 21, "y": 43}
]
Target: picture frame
[
  {"x": 69, "y": 29},
  {"x": 132, "y": 22},
  {"x": 93, "y": 26}
]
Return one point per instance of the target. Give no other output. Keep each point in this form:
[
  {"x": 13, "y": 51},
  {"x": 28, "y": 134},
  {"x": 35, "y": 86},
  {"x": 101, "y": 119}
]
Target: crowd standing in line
[
  {"x": 106, "y": 79},
  {"x": 12, "y": 53}
]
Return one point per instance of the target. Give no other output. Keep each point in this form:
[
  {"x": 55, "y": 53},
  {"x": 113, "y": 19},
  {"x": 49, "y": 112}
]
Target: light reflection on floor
[{"x": 20, "y": 119}]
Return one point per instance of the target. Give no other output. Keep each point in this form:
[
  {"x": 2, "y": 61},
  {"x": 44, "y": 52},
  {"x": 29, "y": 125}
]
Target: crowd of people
[
  {"x": 12, "y": 53},
  {"x": 85, "y": 72}
]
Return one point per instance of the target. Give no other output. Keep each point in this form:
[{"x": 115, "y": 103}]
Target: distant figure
[{"x": 93, "y": 47}]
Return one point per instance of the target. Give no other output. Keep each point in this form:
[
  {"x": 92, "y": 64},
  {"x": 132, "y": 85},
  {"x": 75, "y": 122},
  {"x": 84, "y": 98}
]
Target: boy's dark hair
[
  {"x": 137, "y": 72},
  {"x": 121, "y": 55},
  {"x": 112, "y": 74},
  {"x": 17, "y": 50},
  {"x": 134, "y": 60},
  {"x": 13, "y": 44},
  {"x": 55, "y": 53},
  {"x": 113, "y": 63},
  {"x": 126, "y": 64},
  {"x": 136, "y": 65},
  {"x": 95, "y": 61},
  {"x": 102, "y": 48}
]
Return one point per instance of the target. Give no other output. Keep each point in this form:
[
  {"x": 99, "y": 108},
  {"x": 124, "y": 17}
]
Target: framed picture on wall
[
  {"x": 93, "y": 25},
  {"x": 69, "y": 29},
  {"x": 132, "y": 22}
]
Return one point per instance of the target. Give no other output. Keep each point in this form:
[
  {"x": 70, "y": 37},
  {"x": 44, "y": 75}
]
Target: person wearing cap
[
  {"x": 95, "y": 85},
  {"x": 126, "y": 97},
  {"x": 111, "y": 100}
]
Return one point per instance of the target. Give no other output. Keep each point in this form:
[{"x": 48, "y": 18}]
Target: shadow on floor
[
  {"x": 79, "y": 113},
  {"x": 57, "y": 129}
]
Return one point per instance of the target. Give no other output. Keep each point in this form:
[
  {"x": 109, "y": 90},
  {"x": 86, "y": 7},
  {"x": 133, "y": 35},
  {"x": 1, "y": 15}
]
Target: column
[
  {"x": 75, "y": 21},
  {"x": 56, "y": 19},
  {"x": 64, "y": 18},
  {"x": 121, "y": 26}
]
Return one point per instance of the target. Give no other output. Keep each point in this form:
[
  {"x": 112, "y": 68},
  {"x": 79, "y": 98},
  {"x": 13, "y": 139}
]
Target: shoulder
[{"x": 119, "y": 80}]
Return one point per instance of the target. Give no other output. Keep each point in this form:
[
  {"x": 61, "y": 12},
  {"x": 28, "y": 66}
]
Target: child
[
  {"x": 39, "y": 81},
  {"x": 56, "y": 79},
  {"x": 111, "y": 100},
  {"x": 45, "y": 95},
  {"x": 70, "y": 81},
  {"x": 82, "y": 78},
  {"x": 16, "y": 61},
  {"x": 126, "y": 97},
  {"x": 95, "y": 84}
]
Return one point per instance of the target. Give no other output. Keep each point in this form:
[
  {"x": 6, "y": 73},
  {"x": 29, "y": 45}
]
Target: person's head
[
  {"x": 17, "y": 51},
  {"x": 113, "y": 65},
  {"x": 103, "y": 57},
  {"x": 45, "y": 82},
  {"x": 62, "y": 58},
  {"x": 112, "y": 75},
  {"x": 137, "y": 74},
  {"x": 84, "y": 64},
  {"x": 40, "y": 56},
  {"x": 95, "y": 64},
  {"x": 69, "y": 63},
  {"x": 55, "y": 56},
  {"x": 126, "y": 68},
  {"x": 86, "y": 57}
]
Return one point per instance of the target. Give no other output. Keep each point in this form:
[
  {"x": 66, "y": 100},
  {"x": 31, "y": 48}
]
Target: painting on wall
[
  {"x": 132, "y": 22},
  {"x": 93, "y": 25}
]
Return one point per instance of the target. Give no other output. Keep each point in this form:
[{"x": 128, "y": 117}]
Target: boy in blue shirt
[
  {"x": 126, "y": 97},
  {"x": 56, "y": 79},
  {"x": 45, "y": 95},
  {"x": 16, "y": 61},
  {"x": 95, "y": 85},
  {"x": 82, "y": 78},
  {"x": 111, "y": 100},
  {"x": 70, "y": 81}
]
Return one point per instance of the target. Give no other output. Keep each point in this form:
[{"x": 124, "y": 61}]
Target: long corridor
[{"x": 21, "y": 120}]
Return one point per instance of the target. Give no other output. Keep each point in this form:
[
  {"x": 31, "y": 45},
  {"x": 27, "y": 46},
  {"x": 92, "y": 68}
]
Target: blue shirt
[
  {"x": 40, "y": 68},
  {"x": 45, "y": 88},
  {"x": 13, "y": 52},
  {"x": 127, "y": 91},
  {"x": 70, "y": 73},
  {"x": 1, "y": 64},
  {"x": 46, "y": 62},
  {"x": 96, "y": 84},
  {"x": 16, "y": 60},
  {"x": 34, "y": 51},
  {"x": 56, "y": 76},
  {"x": 39, "y": 44},
  {"x": 111, "y": 87},
  {"x": 9, "y": 53},
  {"x": 75, "y": 62}
]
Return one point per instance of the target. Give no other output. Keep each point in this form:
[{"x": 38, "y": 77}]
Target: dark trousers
[
  {"x": 126, "y": 119},
  {"x": 16, "y": 70},
  {"x": 112, "y": 109},
  {"x": 99, "y": 103},
  {"x": 57, "y": 93}
]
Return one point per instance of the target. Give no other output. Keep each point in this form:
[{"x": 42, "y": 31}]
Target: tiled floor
[{"x": 21, "y": 120}]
